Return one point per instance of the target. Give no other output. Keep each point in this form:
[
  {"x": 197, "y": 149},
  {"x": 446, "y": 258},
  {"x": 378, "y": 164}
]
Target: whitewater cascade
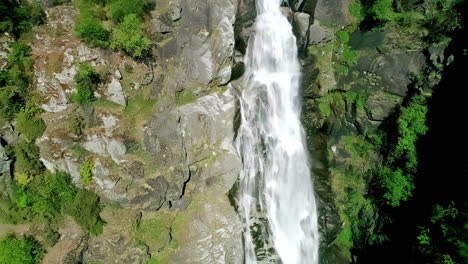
[{"x": 275, "y": 180}]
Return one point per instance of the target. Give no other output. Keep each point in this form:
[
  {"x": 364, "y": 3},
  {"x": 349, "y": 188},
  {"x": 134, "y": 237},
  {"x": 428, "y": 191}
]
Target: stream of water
[{"x": 275, "y": 182}]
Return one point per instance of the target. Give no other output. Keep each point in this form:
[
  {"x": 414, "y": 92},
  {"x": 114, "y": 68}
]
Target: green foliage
[
  {"x": 411, "y": 124},
  {"x": 15, "y": 81},
  {"x": 349, "y": 56},
  {"x": 382, "y": 10},
  {"x": 29, "y": 124},
  {"x": 88, "y": 25},
  {"x": 76, "y": 126},
  {"x": 20, "y": 250},
  {"x": 423, "y": 237},
  {"x": 27, "y": 158},
  {"x": 86, "y": 81},
  {"x": 18, "y": 52},
  {"x": 85, "y": 209},
  {"x": 357, "y": 10},
  {"x": 86, "y": 172},
  {"x": 130, "y": 37},
  {"x": 397, "y": 186},
  {"x": 17, "y": 17},
  {"x": 47, "y": 197},
  {"x": 186, "y": 97},
  {"x": 342, "y": 36},
  {"x": 23, "y": 178},
  {"x": 119, "y": 9}
]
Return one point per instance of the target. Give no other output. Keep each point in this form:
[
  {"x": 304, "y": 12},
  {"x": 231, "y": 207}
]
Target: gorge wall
[{"x": 160, "y": 134}]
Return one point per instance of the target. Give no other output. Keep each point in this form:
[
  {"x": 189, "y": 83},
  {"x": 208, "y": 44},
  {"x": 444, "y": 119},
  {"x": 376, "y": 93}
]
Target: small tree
[
  {"x": 20, "y": 250},
  {"x": 86, "y": 81},
  {"x": 129, "y": 36},
  {"x": 86, "y": 172}
]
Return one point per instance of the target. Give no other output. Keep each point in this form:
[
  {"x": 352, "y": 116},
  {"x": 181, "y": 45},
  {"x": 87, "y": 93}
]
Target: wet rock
[
  {"x": 318, "y": 34},
  {"x": 150, "y": 196},
  {"x": 301, "y": 22},
  {"x": 288, "y": 13},
  {"x": 209, "y": 232},
  {"x": 115, "y": 93},
  {"x": 366, "y": 40},
  {"x": 380, "y": 105},
  {"x": 333, "y": 13},
  {"x": 395, "y": 69}
]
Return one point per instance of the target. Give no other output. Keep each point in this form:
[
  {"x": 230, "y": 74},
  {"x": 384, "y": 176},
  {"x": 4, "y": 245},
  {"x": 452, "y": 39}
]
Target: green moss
[
  {"x": 139, "y": 108},
  {"x": 154, "y": 232},
  {"x": 342, "y": 36},
  {"x": 185, "y": 97},
  {"x": 356, "y": 10},
  {"x": 345, "y": 238}
]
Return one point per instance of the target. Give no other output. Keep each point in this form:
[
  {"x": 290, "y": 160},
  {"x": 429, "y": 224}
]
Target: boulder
[
  {"x": 395, "y": 69},
  {"x": 158, "y": 26},
  {"x": 333, "y": 13},
  {"x": 115, "y": 93},
  {"x": 380, "y": 105},
  {"x": 4, "y": 161},
  {"x": 318, "y": 34},
  {"x": 301, "y": 23},
  {"x": 8, "y": 134}
]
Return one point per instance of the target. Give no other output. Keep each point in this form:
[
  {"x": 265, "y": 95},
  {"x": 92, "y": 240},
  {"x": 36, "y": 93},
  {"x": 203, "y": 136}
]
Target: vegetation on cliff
[
  {"x": 375, "y": 171},
  {"x": 124, "y": 32}
]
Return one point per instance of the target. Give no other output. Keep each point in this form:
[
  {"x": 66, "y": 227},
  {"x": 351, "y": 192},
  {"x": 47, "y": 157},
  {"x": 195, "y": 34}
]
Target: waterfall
[{"x": 275, "y": 182}]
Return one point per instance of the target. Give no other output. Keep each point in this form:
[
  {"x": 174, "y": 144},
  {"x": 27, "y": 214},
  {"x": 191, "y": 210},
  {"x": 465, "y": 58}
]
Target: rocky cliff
[{"x": 159, "y": 134}]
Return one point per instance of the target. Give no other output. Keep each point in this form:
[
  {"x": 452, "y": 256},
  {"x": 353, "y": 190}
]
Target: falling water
[{"x": 275, "y": 181}]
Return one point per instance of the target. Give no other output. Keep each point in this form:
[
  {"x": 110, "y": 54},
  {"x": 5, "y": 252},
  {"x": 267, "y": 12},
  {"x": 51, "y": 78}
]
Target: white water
[{"x": 275, "y": 180}]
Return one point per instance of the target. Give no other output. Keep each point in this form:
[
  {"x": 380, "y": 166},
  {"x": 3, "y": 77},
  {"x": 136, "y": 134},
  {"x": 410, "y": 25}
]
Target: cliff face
[{"x": 160, "y": 133}]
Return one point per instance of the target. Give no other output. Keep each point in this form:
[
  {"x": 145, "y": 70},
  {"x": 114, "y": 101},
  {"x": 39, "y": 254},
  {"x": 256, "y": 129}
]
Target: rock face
[{"x": 160, "y": 134}]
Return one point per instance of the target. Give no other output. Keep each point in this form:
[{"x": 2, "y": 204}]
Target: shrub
[
  {"x": 88, "y": 25},
  {"x": 17, "y": 17},
  {"x": 86, "y": 172},
  {"x": 18, "y": 52},
  {"x": 382, "y": 10},
  {"x": 15, "y": 80},
  {"x": 356, "y": 10},
  {"x": 20, "y": 250},
  {"x": 397, "y": 186},
  {"x": 90, "y": 30},
  {"x": 129, "y": 36},
  {"x": 23, "y": 178},
  {"x": 85, "y": 210},
  {"x": 76, "y": 126},
  {"x": 29, "y": 124},
  {"x": 11, "y": 101},
  {"x": 342, "y": 36},
  {"x": 411, "y": 124},
  {"x": 27, "y": 158},
  {"x": 119, "y": 9},
  {"x": 86, "y": 81}
]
